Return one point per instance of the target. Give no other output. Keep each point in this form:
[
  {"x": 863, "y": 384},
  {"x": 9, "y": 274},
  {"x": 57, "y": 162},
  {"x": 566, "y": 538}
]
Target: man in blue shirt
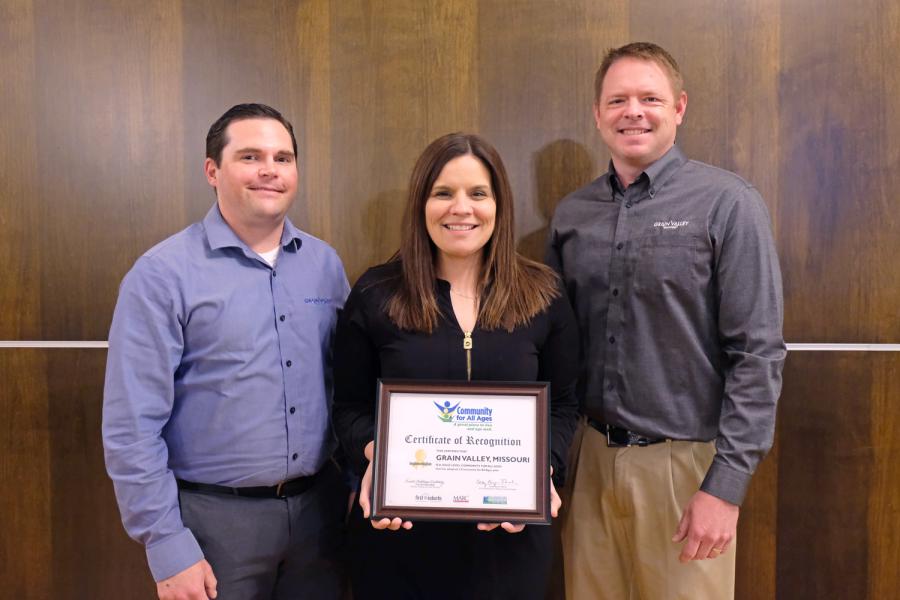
[{"x": 216, "y": 422}]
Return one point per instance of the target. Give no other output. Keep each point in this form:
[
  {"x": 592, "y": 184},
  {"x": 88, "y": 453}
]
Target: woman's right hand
[{"x": 365, "y": 487}]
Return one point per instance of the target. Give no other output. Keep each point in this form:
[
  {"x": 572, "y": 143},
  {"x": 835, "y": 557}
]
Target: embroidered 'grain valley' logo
[{"x": 670, "y": 224}]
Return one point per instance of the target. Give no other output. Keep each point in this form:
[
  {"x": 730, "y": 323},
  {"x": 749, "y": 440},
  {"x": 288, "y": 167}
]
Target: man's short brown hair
[{"x": 641, "y": 51}]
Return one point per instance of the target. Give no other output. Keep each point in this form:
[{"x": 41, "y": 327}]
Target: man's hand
[
  {"x": 364, "y": 488},
  {"x": 709, "y": 524},
  {"x": 197, "y": 582},
  {"x": 555, "y": 504}
]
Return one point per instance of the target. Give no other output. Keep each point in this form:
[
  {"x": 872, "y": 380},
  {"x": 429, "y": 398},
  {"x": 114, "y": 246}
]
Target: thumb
[
  {"x": 209, "y": 580},
  {"x": 682, "y": 530}
]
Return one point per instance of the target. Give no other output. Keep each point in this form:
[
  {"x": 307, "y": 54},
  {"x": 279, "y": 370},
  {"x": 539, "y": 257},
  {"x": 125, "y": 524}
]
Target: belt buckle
[
  {"x": 610, "y": 443},
  {"x": 278, "y": 489}
]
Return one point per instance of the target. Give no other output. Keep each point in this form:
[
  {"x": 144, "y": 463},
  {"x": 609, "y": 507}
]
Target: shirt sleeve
[
  {"x": 750, "y": 318},
  {"x": 145, "y": 346},
  {"x": 356, "y": 371},
  {"x": 558, "y": 364}
]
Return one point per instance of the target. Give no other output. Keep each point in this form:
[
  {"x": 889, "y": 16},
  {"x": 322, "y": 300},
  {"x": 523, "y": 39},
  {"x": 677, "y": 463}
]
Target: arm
[
  {"x": 145, "y": 345},
  {"x": 750, "y": 317},
  {"x": 558, "y": 364},
  {"x": 356, "y": 371},
  {"x": 357, "y": 368}
]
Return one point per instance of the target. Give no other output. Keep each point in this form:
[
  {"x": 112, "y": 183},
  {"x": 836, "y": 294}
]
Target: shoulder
[
  {"x": 318, "y": 249},
  {"x": 585, "y": 197},
  {"x": 380, "y": 279},
  {"x": 717, "y": 179},
  {"x": 171, "y": 258}
]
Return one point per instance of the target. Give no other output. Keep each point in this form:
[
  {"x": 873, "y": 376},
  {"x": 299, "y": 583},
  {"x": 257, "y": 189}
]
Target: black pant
[{"x": 449, "y": 561}]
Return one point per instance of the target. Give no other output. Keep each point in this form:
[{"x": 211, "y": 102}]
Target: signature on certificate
[{"x": 496, "y": 484}]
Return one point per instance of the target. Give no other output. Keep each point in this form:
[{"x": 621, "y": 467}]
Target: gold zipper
[{"x": 467, "y": 346}]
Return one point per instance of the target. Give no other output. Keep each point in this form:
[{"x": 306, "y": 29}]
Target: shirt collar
[
  {"x": 657, "y": 174},
  {"x": 220, "y": 235}
]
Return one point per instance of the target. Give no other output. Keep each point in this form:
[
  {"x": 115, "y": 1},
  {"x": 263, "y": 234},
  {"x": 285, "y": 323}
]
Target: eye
[
  {"x": 285, "y": 159},
  {"x": 614, "y": 101},
  {"x": 480, "y": 194},
  {"x": 248, "y": 157},
  {"x": 440, "y": 194},
  {"x": 652, "y": 99}
]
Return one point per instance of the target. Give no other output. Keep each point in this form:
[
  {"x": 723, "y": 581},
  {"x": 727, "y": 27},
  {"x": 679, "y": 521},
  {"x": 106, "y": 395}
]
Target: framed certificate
[{"x": 462, "y": 451}]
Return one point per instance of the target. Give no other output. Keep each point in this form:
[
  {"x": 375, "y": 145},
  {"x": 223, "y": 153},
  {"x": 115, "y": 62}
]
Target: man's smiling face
[
  {"x": 637, "y": 113},
  {"x": 256, "y": 179}
]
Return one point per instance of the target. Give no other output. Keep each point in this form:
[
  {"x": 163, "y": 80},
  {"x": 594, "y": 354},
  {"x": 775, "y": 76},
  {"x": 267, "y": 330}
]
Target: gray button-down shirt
[{"x": 676, "y": 285}]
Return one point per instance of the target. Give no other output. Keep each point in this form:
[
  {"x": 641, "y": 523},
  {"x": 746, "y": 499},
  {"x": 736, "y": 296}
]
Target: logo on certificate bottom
[
  {"x": 446, "y": 411},
  {"x": 420, "y": 461},
  {"x": 494, "y": 500}
]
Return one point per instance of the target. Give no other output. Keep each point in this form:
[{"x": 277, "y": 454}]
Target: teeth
[
  {"x": 633, "y": 131},
  {"x": 459, "y": 227}
]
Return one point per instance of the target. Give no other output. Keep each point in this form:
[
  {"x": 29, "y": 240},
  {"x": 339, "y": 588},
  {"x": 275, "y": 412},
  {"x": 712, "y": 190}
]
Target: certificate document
[{"x": 462, "y": 451}]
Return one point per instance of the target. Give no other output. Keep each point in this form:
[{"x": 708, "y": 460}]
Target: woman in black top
[{"x": 456, "y": 277}]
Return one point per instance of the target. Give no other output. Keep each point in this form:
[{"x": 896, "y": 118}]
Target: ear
[
  {"x": 211, "y": 170},
  {"x": 596, "y": 111},
  {"x": 680, "y": 108}
]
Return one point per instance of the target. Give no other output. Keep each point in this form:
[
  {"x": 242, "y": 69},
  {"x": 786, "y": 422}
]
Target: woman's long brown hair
[{"x": 513, "y": 288}]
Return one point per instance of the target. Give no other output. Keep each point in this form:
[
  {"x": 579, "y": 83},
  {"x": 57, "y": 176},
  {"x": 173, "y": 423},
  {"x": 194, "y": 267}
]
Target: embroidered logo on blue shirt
[{"x": 317, "y": 301}]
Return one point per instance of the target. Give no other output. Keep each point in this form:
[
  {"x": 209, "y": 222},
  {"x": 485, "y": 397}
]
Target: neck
[
  {"x": 627, "y": 174},
  {"x": 463, "y": 274},
  {"x": 260, "y": 237}
]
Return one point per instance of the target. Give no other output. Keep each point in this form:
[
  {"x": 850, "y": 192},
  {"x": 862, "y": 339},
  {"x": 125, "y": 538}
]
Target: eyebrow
[{"x": 258, "y": 150}]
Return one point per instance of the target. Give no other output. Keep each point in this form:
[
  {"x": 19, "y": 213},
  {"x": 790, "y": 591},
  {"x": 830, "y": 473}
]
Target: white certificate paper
[{"x": 461, "y": 451}]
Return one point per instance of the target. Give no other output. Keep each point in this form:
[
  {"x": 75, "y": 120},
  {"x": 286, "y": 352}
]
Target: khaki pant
[{"x": 623, "y": 509}]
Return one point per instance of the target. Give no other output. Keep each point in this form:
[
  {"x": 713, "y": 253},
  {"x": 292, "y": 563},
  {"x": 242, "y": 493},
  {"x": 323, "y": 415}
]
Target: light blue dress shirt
[{"x": 218, "y": 372}]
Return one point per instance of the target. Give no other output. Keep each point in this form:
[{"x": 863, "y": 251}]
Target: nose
[
  {"x": 633, "y": 109},
  {"x": 267, "y": 167},
  {"x": 461, "y": 205}
]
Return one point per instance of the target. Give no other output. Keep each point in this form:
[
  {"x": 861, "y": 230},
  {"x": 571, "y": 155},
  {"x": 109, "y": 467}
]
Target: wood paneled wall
[{"x": 105, "y": 110}]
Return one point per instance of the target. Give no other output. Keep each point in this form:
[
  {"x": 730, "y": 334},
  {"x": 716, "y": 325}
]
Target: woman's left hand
[{"x": 555, "y": 504}]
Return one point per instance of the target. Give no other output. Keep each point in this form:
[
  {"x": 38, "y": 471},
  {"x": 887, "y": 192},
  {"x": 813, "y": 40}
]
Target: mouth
[
  {"x": 634, "y": 131},
  {"x": 266, "y": 188},
  {"x": 459, "y": 227}
]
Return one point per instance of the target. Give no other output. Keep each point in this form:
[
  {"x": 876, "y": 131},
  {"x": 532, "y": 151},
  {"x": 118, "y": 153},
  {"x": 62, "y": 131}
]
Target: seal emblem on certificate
[{"x": 462, "y": 451}]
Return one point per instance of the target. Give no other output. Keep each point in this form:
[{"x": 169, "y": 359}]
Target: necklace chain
[{"x": 452, "y": 291}]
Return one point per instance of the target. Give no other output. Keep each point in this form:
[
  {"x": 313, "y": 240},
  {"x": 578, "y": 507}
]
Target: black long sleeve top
[{"x": 368, "y": 346}]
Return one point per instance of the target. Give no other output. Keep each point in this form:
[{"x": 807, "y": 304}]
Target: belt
[
  {"x": 285, "y": 489},
  {"x": 617, "y": 437}
]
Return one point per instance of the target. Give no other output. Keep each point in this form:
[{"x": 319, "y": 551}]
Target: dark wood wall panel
[
  {"x": 20, "y": 223},
  {"x": 109, "y": 122},
  {"x": 840, "y": 223},
  {"x": 62, "y": 536},
  {"x": 105, "y": 111},
  {"x": 25, "y": 514},
  {"x": 535, "y": 74},
  {"x": 400, "y": 78},
  {"x": 839, "y": 476},
  {"x": 92, "y": 555},
  {"x": 757, "y": 534}
]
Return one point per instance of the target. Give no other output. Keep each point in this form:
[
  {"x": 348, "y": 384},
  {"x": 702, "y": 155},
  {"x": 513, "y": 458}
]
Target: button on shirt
[
  {"x": 676, "y": 285},
  {"x": 218, "y": 372}
]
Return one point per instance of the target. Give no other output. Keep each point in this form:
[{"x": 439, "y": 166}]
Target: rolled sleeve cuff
[
  {"x": 173, "y": 555},
  {"x": 726, "y": 483}
]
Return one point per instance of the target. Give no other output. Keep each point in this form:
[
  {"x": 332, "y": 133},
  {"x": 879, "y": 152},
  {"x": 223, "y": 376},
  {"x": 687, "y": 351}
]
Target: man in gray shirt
[{"x": 672, "y": 270}]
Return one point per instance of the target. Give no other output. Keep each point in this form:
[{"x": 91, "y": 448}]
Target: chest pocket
[{"x": 667, "y": 262}]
